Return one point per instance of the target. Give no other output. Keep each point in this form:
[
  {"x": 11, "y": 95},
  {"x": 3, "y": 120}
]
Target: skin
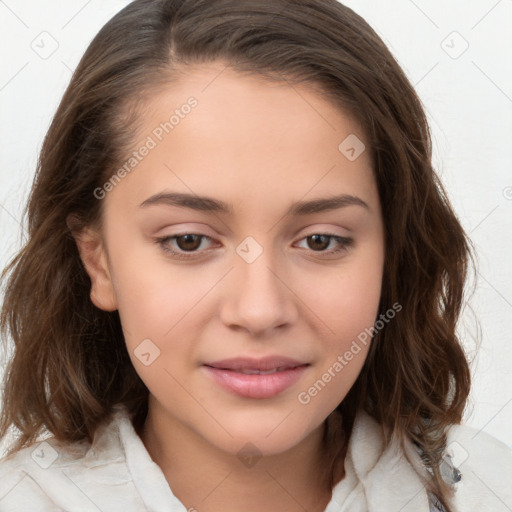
[{"x": 258, "y": 146}]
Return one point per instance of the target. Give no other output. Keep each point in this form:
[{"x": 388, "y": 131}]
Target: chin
[{"x": 266, "y": 437}]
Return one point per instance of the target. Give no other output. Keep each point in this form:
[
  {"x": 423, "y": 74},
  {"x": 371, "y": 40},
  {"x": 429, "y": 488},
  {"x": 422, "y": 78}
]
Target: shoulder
[
  {"x": 485, "y": 467},
  {"x": 71, "y": 476},
  {"x": 25, "y": 474},
  {"x": 476, "y": 465}
]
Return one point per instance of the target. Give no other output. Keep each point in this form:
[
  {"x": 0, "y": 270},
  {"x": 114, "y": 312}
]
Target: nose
[{"x": 258, "y": 298}]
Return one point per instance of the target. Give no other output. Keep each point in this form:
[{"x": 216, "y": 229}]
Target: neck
[{"x": 208, "y": 479}]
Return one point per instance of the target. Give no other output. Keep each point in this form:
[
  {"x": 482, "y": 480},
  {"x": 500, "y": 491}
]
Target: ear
[{"x": 94, "y": 257}]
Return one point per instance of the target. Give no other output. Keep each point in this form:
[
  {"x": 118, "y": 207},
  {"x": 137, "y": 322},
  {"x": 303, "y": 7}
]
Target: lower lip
[{"x": 256, "y": 385}]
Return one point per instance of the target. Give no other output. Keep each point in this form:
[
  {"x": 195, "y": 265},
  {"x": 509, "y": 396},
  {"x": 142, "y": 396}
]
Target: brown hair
[{"x": 70, "y": 363}]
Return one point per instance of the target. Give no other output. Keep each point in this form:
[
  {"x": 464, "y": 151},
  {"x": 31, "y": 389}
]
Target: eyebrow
[{"x": 208, "y": 204}]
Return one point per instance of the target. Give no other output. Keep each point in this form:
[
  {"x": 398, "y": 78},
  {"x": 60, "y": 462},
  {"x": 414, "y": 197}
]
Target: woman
[{"x": 242, "y": 279}]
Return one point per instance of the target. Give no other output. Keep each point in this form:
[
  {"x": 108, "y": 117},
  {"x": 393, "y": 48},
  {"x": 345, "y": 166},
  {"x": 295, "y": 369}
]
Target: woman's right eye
[{"x": 180, "y": 245}]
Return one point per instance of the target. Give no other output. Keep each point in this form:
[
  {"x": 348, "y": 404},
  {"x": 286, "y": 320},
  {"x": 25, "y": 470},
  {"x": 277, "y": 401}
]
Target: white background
[{"x": 467, "y": 95}]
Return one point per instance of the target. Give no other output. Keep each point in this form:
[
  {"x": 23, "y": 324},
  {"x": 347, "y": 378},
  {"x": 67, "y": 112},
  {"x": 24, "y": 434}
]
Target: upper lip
[{"x": 262, "y": 364}]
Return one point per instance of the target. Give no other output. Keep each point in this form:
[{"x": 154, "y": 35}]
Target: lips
[{"x": 256, "y": 378}]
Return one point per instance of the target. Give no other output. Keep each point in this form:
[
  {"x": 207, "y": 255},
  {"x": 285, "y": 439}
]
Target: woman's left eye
[
  {"x": 187, "y": 245},
  {"x": 323, "y": 240}
]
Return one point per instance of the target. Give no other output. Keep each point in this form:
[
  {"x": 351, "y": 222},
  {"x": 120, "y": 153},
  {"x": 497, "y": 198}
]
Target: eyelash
[{"x": 343, "y": 244}]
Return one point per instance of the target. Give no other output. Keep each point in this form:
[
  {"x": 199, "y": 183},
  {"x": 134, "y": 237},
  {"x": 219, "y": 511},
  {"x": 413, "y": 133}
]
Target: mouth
[
  {"x": 256, "y": 378},
  {"x": 254, "y": 365},
  {"x": 248, "y": 371}
]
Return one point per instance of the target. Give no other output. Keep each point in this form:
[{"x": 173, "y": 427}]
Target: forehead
[
  {"x": 243, "y": 103},
  {"x": 247, "y": 137}
]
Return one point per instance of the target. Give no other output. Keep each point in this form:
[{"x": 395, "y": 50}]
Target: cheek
[
  {"x": 346, "y": 308},
  {"x": 344, "y": 302},
  {"x": 162, "y": 308},
  {"x": 148, "y": 301},
  {"x": 155, "y": 310},
  {"x": 152, "y": 294},
  {"x": 342, "y": 349}
]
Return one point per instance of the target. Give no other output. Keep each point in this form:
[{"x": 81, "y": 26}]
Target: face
[{"x": 240, "y": 310}]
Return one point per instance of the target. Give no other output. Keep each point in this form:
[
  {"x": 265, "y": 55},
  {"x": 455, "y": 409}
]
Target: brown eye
[
  {"x": 184, "y": 246},
  {"x": 318, "y": 242},
  {"x": 188, "y": 242},
  {"x": 327, "y": 244}
]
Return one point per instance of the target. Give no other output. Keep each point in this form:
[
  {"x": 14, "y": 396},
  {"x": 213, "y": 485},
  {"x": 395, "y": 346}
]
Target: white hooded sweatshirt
[{"x": 116, "y": 474}]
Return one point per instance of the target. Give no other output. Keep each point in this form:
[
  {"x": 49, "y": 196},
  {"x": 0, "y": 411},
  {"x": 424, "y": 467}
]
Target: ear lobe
[{"x": 94, "y": 257}]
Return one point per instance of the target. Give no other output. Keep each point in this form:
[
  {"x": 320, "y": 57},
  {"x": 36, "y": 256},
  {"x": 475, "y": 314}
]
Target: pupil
[
  {"x": 316, "y": 238},
  {"x": 189, "y": 239}
]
